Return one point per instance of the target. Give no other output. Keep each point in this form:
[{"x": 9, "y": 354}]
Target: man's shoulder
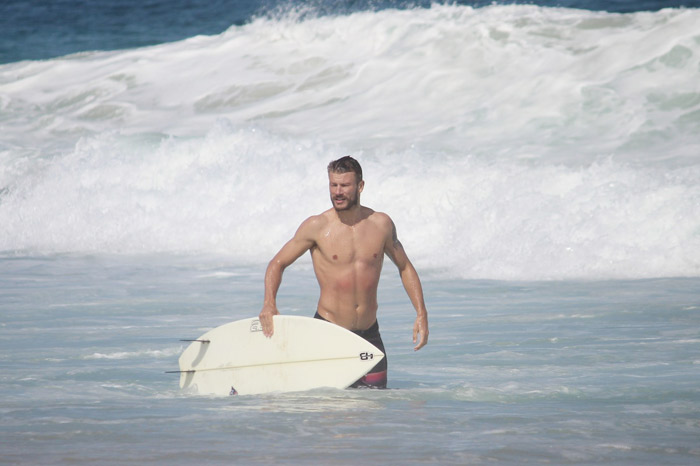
[
  {"x": 380, "y": 219},
  {"x": 376, "y": 216},
  {"x": 317, "y": 220},
  {"x": 314, "y": 223}
]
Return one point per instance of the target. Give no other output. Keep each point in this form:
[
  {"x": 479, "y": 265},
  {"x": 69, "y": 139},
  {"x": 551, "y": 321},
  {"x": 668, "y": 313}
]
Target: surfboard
[{"x": 303, "y": 353}]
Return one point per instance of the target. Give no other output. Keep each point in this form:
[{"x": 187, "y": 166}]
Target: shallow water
[{"x": 566, "y": 372}]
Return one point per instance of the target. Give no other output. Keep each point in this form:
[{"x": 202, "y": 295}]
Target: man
[{"x": 347, "y": 244}]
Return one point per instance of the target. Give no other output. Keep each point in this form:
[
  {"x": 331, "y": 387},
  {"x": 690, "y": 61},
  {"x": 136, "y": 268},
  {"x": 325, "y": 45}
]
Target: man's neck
[{"x": 350, "y": 216}]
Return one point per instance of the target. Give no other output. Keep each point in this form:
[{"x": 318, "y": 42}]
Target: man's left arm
[{"x": 412, "y": 285}]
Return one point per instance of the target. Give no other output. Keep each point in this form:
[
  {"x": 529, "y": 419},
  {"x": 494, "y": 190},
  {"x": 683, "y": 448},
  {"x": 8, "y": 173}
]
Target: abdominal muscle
[{"x": 348, "y": 293}]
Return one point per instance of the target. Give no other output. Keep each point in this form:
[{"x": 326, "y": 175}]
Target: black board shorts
[{"x": 377, "y": 376}]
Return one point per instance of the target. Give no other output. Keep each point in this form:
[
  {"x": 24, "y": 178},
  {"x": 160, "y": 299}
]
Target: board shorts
[{"x": 377, "y": 376}]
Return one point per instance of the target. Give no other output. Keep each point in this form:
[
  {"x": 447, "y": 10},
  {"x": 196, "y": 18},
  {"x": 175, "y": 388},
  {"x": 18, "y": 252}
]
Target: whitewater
[{"x": 507, "y": 142}]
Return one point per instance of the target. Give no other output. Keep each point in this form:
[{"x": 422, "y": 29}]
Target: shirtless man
[{"x": 347, "y": 244}]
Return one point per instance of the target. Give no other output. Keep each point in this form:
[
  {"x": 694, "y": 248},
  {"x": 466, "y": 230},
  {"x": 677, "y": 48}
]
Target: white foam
[
  {"x": 512, "y": 142},
  {"x": 136, "y": 354}
]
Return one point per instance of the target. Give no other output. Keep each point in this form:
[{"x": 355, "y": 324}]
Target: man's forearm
[
  {"x": 273, "y": 280},
  {"x": 414, "y": 289}
]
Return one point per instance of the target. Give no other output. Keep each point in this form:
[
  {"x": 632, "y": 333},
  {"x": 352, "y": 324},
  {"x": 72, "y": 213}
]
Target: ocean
[{"x": 540, "y": 160}]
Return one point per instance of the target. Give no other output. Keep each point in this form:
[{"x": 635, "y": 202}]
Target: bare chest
[{"x": 351, "y": 245}]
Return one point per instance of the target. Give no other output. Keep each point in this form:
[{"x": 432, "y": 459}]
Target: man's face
[{"x": 345, "y": 191}]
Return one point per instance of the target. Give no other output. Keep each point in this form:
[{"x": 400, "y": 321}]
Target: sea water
[
  {"x": 563, "y": 372},
  {"x": 541, "y": 163}
]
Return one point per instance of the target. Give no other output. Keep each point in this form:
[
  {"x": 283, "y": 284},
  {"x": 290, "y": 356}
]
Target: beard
[{"x": 350, "y": 202}]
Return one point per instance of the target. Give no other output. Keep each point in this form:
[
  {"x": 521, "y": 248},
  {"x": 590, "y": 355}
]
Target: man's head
[
  {"x": 345, "y": 182},
  {"x": 344, "y": 165}
]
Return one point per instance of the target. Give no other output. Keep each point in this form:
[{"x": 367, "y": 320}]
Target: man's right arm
[{"x": 302, "y": 241}]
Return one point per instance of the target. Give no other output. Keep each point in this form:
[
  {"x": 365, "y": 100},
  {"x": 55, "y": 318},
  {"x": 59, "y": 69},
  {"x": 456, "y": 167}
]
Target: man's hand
[
  {"x": 268, "y": 311},
  {"x": 420, "y": 328}
]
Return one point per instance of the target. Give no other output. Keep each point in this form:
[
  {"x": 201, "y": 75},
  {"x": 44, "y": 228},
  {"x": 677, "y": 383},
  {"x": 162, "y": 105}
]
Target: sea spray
[{"x": 242, "y": 192}]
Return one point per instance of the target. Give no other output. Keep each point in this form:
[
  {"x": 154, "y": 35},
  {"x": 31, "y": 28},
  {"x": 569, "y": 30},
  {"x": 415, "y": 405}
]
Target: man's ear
[{"x": 360, "y": 186}]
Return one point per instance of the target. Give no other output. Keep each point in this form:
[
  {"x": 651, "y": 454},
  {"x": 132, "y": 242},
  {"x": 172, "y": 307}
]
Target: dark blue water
[{"x": 35, "y": 30}]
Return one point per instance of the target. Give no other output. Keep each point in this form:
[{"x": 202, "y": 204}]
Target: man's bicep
[
  {"x": 291, "y": 251},
  {"x": 394, "y": 248},
  {"x": 295, "y": 247}
]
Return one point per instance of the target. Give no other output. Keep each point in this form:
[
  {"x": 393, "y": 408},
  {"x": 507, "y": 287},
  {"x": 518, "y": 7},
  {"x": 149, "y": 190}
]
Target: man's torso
[{"x": 348, "y": 261}]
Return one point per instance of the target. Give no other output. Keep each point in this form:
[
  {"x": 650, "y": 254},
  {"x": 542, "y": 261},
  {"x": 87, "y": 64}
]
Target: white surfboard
[{"x": 303, "y": 353}]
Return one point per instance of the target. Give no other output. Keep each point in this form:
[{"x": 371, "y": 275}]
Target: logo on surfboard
[
  {"x": 366, "y": 356},
  {"x": 255, "y": 326}
]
